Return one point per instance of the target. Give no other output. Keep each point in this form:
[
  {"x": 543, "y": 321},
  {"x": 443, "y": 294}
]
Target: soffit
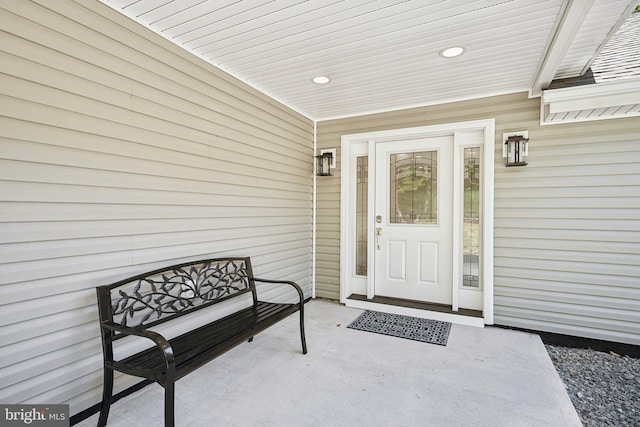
[
  {"x": 380, "y": 55},
  {"x": 592, "y": 36}
]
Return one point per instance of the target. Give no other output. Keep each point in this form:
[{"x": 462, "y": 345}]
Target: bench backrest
[{"x": 149, "y": 299}]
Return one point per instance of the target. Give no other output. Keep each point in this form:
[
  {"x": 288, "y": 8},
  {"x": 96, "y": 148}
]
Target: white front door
[{"x": 414, "y": 210}]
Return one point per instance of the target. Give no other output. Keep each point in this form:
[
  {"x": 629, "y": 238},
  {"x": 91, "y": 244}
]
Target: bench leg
[
  {"x": 169, "y": 395},
  {"x": 304, "y": 341},
  {"x": 250, "y": 339},
  {"x": 107, "y": 393}
]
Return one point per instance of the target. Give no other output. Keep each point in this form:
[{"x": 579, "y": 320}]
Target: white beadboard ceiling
[{"x": 384, "y": 55}]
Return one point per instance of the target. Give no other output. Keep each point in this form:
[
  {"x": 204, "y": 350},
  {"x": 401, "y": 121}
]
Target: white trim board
[
  {"x": 600, "y": 101},
  {"x": 573, "y": 16}
]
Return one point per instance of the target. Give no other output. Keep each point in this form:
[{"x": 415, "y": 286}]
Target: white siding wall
[
  {"x": 567, "y": 226},
  {"x": 119, "y": 153}
]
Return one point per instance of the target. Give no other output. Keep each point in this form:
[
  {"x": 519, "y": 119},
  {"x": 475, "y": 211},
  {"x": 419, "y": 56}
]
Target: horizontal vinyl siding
[
  {"x": 120, "y": 153},
  {"x": 567, "y": 255},
  {"x": 566, "y": 227}
]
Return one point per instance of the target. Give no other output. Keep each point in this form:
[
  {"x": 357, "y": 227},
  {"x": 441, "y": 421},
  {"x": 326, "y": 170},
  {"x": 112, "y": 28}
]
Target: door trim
[{"x": 355, "y": 141}]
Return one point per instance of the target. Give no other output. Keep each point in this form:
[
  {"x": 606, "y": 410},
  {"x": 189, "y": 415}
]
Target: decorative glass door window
[
  {"x": 471, "y": 224},
  {"x": 413, "y": 188}
]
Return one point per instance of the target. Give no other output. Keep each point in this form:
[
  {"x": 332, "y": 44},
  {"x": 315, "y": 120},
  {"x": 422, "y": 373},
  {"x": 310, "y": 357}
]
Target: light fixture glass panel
[
  {"x": 362, "y": 211},
  {"x": 471, "y": 222},
  {"x": 413, "y": 188},
  {"x": 516, "y": 151}
]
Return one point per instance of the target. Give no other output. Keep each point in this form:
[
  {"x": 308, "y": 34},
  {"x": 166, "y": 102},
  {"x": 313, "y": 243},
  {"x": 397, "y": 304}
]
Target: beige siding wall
[
  {"x": 567, "y": 226},
  {"x": 118, "y": 153}
]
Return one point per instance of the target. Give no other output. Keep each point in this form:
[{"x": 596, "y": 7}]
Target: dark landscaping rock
[{"x": 604, "y": 387}]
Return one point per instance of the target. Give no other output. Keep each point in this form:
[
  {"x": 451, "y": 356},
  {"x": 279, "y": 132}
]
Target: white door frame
[{"x": 355, "y": 141}]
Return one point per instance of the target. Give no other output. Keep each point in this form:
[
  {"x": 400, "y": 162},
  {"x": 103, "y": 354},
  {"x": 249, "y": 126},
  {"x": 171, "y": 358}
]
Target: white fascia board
[
  {"x": 602, "y": 95},
  {"x": 572, "y": 19},
  {"x": 577, "y": 104}
]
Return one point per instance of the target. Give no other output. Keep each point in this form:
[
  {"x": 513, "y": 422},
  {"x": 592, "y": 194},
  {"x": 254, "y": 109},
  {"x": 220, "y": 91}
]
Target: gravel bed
[{"x": 604, "y": 387}]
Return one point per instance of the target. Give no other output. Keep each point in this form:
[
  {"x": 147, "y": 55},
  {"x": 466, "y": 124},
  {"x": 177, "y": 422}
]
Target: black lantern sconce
[
  {"x": 325, "y": 161},
  {"x": 515, "y": 149}
]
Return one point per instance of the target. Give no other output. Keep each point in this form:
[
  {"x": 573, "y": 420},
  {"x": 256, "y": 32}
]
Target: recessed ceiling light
[
  {"x": 452, "y": 52},
  {"x": 321, "y": 80}
]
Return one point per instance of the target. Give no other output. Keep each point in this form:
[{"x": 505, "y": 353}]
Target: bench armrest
[
  {"x": 300, "y": 305},
  {"x": 160, "y": 341},
  {"x": 287, "y": 282}
]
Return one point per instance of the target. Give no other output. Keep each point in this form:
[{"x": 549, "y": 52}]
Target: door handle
[{"x": 378, "y": 235}]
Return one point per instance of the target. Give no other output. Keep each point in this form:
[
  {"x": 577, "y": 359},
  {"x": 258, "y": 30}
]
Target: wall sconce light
[
  {"x": 516, "y": 148},
  {"x": 325, "y": 162}
]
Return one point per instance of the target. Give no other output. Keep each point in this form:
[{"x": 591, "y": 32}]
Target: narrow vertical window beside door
[
  {"x": 471, "y": 225},
  {"x": 362, "y": 210},
  {"x": 414, "y": 188}
]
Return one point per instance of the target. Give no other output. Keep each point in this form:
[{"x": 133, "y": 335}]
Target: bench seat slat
[{"x": 196, "y": 347}]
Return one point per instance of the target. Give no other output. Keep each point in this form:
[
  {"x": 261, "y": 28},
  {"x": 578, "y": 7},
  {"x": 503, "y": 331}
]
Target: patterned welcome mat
[{"x": 397, "y": 325}]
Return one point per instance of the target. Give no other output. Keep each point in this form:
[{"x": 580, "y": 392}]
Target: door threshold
[{"x": 419, "y": 309}]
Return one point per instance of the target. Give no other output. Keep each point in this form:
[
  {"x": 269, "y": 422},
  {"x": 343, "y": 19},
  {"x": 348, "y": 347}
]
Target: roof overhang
[
  {"x": 572, "y": 19},
  {"x": 591, "y": 102}
]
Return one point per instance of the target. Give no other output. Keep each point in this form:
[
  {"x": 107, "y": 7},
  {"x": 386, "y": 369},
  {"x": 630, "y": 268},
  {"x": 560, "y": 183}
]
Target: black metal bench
[{"x": 132, "y": 307}]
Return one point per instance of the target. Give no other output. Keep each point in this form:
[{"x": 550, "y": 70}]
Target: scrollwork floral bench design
[{"x": 132, "y": 307}]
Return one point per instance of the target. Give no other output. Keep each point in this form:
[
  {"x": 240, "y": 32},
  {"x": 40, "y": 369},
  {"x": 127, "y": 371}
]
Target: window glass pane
[
  {"x": 471, "y": 225},
  {"x": 362, "y": 203},
  {"x": 414, "y": 188}
]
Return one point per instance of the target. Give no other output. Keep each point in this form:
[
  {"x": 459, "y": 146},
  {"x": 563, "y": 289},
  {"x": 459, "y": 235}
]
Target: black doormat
[{"x": 397, "y": 325}]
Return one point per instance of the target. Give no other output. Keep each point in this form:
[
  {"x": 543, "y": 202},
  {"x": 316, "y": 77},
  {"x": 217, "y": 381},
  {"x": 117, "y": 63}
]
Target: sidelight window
[
  {"x": 362, "y": 209},
  {"x": 471, "y": 224}
]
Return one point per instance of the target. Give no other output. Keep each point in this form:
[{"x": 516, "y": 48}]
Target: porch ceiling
[{"x": 384, "y": 55}]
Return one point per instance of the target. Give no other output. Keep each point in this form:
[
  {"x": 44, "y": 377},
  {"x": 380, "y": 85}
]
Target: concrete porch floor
[{"x": 483, "y": 377}]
